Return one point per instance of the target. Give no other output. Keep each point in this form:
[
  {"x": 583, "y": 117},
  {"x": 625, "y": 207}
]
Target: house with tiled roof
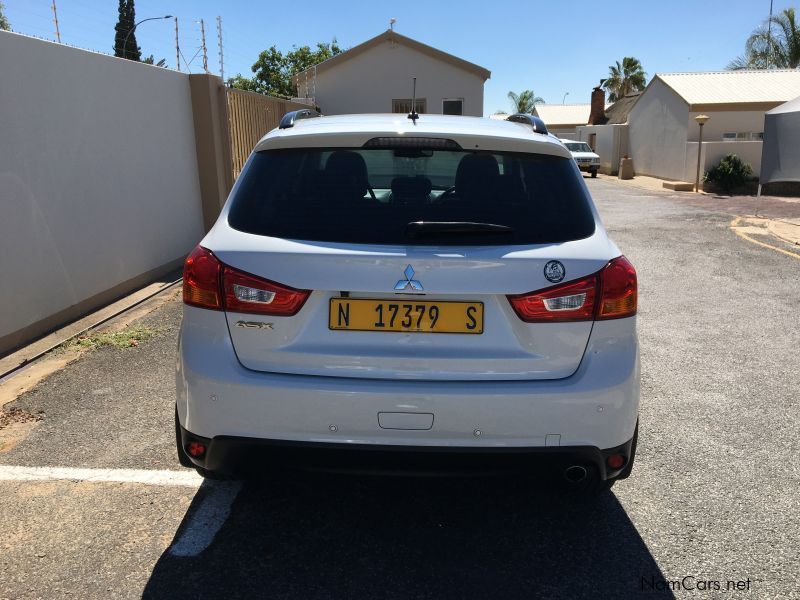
[
  {"x": 563, "y": 119},
  {"x": 663, "y": 134},
  {"x": 376, "y": 77},
  {"x": 606, "y": 130}
]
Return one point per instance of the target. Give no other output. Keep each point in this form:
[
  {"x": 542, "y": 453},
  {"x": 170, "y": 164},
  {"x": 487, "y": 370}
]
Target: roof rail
[
  {"x": 289, "y": 118},
  {"x": 532, "y": 120}
]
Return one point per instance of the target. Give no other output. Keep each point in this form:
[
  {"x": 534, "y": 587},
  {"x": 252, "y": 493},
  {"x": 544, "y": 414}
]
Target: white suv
[
  {"x": 585, "y": 157},
  {"x": 409, "y": 293}
]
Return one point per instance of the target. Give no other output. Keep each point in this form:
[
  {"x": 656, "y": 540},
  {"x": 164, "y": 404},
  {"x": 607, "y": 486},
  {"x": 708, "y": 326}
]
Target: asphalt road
[{"x": 713, "y": 497}]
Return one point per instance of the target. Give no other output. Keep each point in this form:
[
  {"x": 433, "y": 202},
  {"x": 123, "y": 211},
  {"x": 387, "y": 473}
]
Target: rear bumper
[
  {"x": 242, "y": 456},
  {"x": 596, "y": 407}
]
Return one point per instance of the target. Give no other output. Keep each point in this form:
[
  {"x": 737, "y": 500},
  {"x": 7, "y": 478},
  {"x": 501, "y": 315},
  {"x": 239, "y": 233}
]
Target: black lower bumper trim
[{"x": 241, "y": 455}]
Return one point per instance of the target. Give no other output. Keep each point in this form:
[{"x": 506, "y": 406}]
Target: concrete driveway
[{"x": 93, "y": 503}]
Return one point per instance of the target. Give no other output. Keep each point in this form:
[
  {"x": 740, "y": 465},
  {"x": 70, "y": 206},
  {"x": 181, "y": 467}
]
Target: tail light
[
  {"x": 618, "y": 296},
  {"x": 208, "y": 283},
  {"x": 608, "y": 294},
  {"x": 573, "y": 301},
  {"x": 201, "y": 277},
  {"x": 247, "y": 293}
]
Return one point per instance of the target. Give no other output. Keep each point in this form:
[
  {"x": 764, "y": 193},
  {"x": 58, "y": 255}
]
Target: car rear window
[{"x": 370, "y": 195}]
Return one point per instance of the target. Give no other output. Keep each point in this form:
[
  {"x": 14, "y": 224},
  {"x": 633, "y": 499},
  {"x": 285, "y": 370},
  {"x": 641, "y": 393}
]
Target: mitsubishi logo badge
[{"x": 408, "y": 282}]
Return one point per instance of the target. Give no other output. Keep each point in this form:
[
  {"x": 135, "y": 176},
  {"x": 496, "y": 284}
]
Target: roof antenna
[
  {"x": 392, "y": 21},
  {"x": 413, "y": 115}
]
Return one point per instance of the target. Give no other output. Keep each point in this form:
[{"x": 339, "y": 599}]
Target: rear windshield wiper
[{"x": 418, "y": 229}]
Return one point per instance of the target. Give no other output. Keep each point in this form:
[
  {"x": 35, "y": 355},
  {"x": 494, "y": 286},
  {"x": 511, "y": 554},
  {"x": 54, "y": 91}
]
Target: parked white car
[
  {"x": 402, "y": 294},
  {"x": 584, "y": 156}
]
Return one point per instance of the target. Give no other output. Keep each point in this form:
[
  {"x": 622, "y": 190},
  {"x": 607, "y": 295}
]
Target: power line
[
  {"x": 188, "y": 68},
  {"x": 94, "y": 20}
]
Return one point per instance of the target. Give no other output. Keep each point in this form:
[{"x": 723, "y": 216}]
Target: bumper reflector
[
  {"x": 195, "y": 449},
  {"x": 615, "y": 461}
]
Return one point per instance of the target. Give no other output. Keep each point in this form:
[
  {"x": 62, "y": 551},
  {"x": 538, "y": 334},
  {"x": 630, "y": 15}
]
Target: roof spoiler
[
  {"x": 534, "y": 121},
  {"x": 289, "y": 118}
]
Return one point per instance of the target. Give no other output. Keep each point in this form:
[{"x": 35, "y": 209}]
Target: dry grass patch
[{"x": 126, "y": 338}]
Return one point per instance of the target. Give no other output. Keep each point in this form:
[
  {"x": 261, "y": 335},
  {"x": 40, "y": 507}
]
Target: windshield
[
  {"x": 578, "y": 147},
  {"x": 371, "y": 196}
]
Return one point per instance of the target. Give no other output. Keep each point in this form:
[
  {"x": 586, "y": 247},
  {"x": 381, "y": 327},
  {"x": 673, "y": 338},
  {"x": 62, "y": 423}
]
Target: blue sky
[{"x": 551, "y": 47}]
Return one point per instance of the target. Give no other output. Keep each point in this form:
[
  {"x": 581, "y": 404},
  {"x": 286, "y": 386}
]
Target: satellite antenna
[
  {"x": 413, "y": 115},
  {"x": 392, "y": 21}
]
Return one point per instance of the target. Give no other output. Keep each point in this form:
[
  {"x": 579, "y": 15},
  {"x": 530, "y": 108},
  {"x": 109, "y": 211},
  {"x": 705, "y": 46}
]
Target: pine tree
[
  {"x": 4, "y": 25},
  {"x": 125, "y": 23}
]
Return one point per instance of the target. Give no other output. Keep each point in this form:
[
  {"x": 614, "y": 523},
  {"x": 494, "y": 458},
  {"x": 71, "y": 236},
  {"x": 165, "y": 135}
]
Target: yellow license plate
[{"x": 355, "y": 314}]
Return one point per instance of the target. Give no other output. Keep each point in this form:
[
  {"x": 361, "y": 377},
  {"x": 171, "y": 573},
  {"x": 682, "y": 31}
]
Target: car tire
[{"x": 594, "y": 173}]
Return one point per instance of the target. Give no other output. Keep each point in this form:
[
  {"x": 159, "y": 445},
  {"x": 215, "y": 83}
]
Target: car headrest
[
  {"x": 410, "y": 189},
  {"x": 476, "y": 173},
  {"x": 345, "y": 162}
]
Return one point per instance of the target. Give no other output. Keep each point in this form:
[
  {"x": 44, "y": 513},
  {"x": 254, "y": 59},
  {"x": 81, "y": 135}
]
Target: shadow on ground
[{"x": 320, "y": 536}]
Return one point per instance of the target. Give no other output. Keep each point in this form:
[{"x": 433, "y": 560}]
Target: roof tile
[{"x": 728, "y": 87}]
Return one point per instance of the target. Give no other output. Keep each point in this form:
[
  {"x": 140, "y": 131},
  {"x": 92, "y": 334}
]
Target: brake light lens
[
  {"x": 201, "y": 279},
  {"x": 618, "y": 295},
  {"x": 573, "y": 301},
  {"x": 208, "y": 283},
  {"x": 247, "y": 293},
  {"x": 611, "y": 293}
]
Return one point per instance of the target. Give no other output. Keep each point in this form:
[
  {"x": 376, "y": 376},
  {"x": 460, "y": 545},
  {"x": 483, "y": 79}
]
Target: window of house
[
  {"x": 743, "y": 136},
  {"x": 453, "y": 106},
  {"x": 403, "y": 105}
]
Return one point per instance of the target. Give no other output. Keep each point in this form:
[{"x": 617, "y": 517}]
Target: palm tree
[
  {"x": 524, "y": 101},
  {"x": 625, "y": 78},
  {"x": 776, "y": 44}
]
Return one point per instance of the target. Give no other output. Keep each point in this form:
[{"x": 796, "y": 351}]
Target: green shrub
[{"x": 731, "y": 172}]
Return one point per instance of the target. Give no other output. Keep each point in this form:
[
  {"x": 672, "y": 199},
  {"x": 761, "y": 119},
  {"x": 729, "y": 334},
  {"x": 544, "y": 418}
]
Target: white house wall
[
  {"x": 714, "y": 148},
  {"x": 611, "y": 143},
  {"x": 657, "y": 133},
  {"x": 713, "y": 152},
  {"x": 567, "y": 133},
  {"x": 369, "y": 81},
  {"x": 732, "y": 121}
]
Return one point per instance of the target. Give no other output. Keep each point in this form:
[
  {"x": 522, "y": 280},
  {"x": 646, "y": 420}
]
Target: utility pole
[
  {"x": 55, "y": 20},
  {"x": 177, "y": 46},
  {"x": 219, "y": 41},
  {"x": 203, "y": 38}
]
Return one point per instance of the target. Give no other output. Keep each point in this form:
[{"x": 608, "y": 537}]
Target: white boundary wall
[
  {"x": 98, "y": 179},
  {"x": 713, "y": 152}
]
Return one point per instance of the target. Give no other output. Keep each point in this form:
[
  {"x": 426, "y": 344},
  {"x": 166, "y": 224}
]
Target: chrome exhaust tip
[{"x": 575, "y": 474}]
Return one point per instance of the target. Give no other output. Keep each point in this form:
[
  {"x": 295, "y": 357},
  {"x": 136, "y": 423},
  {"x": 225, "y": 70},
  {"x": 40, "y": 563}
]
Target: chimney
[{"x": 597, "y": 116}]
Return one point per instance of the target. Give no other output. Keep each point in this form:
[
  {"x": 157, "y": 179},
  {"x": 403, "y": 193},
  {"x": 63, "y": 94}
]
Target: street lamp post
[
  {"x": 701, "y": 120},
  {"x": 564, "y": 99},
  {"x": 125, "y": 43}
]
